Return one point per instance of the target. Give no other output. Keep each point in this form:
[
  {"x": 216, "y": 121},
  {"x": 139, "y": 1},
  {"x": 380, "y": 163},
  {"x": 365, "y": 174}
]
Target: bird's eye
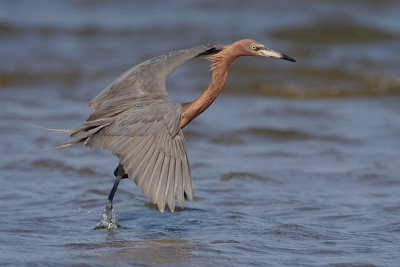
[{"x": 253, "y": 47}]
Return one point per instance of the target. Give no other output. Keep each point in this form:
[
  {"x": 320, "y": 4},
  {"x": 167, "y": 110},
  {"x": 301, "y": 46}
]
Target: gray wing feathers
[
  {"x": 151, "y": 148},
  {"x": 135, "y": 119},
  {"x": 153, "y": 166},
  {"x": 169, "y": 188},
  {"x": 148, "y": 119},
  {"x": 146, "y": 79}
]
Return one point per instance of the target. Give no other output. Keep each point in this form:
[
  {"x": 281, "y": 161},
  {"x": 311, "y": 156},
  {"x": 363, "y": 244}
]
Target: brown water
[{"x": 294, "y": 164}]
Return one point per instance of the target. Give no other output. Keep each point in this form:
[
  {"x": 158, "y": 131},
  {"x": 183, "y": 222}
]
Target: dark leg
[
  {"x": 109, "y": 206},
  {"x": 119, "y": 174},
  {"x": 124, "y": 176}
]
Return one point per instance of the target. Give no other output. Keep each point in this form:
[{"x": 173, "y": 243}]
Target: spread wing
[
  {"x": 134, "y": 118},
  {"x": 147, "y": 79},
  {"x": 151, "y": 147}
]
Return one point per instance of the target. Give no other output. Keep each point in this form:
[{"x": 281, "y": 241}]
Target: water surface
[{"x": 294, "y": 164}]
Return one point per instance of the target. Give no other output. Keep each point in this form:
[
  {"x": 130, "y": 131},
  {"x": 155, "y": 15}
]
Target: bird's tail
[
  {"x": 80, "y": 135},
  {"x": 66, "y": 144},
  {"x": 89, "y": 133}
]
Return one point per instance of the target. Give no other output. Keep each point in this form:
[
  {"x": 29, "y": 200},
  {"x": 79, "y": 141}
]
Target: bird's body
[{"x": 135, "y": 119}]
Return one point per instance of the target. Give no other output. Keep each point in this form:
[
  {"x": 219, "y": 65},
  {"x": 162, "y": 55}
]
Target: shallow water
[{"x": 294, "y": 164}]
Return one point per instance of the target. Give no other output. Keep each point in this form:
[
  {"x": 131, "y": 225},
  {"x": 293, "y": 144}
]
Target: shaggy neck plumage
[{"x": 220, "y": 64}]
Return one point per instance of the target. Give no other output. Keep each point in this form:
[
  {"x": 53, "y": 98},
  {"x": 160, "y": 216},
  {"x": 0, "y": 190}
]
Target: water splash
[{"x": 107, "y": 223}]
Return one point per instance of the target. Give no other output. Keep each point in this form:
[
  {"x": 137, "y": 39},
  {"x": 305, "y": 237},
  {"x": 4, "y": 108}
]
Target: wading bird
[{"x": 135, "y": 119}]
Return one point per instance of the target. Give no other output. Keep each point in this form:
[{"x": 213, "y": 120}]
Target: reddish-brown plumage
[{"x": 220, "y": 64}]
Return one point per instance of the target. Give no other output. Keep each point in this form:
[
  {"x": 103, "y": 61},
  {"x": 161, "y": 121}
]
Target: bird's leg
[
  {"x": 119, "y": 174},
  {"x": 124, "y": 176},
  {"x": 109, "y": 206}
]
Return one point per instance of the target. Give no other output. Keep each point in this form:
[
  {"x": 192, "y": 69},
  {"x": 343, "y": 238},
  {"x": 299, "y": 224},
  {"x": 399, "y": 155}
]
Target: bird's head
[{"x": 248, "y": 47}]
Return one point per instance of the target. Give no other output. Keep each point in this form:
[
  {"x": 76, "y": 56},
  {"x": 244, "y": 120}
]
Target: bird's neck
[{"x": 221, "y": 63}]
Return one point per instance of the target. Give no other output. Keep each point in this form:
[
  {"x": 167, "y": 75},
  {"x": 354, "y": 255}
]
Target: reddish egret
[{"x": 135, "y": 119}]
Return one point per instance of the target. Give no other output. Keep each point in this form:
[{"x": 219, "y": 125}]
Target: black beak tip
[{"x": 285, "y": 57}]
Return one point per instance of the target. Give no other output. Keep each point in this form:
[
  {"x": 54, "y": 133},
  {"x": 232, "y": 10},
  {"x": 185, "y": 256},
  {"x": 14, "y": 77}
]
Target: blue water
[{"x": 295, "y": 164}]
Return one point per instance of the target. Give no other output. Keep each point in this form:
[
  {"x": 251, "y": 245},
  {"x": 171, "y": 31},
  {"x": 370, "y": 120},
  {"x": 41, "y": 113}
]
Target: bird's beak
[{"x": 266, "y": 52}]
